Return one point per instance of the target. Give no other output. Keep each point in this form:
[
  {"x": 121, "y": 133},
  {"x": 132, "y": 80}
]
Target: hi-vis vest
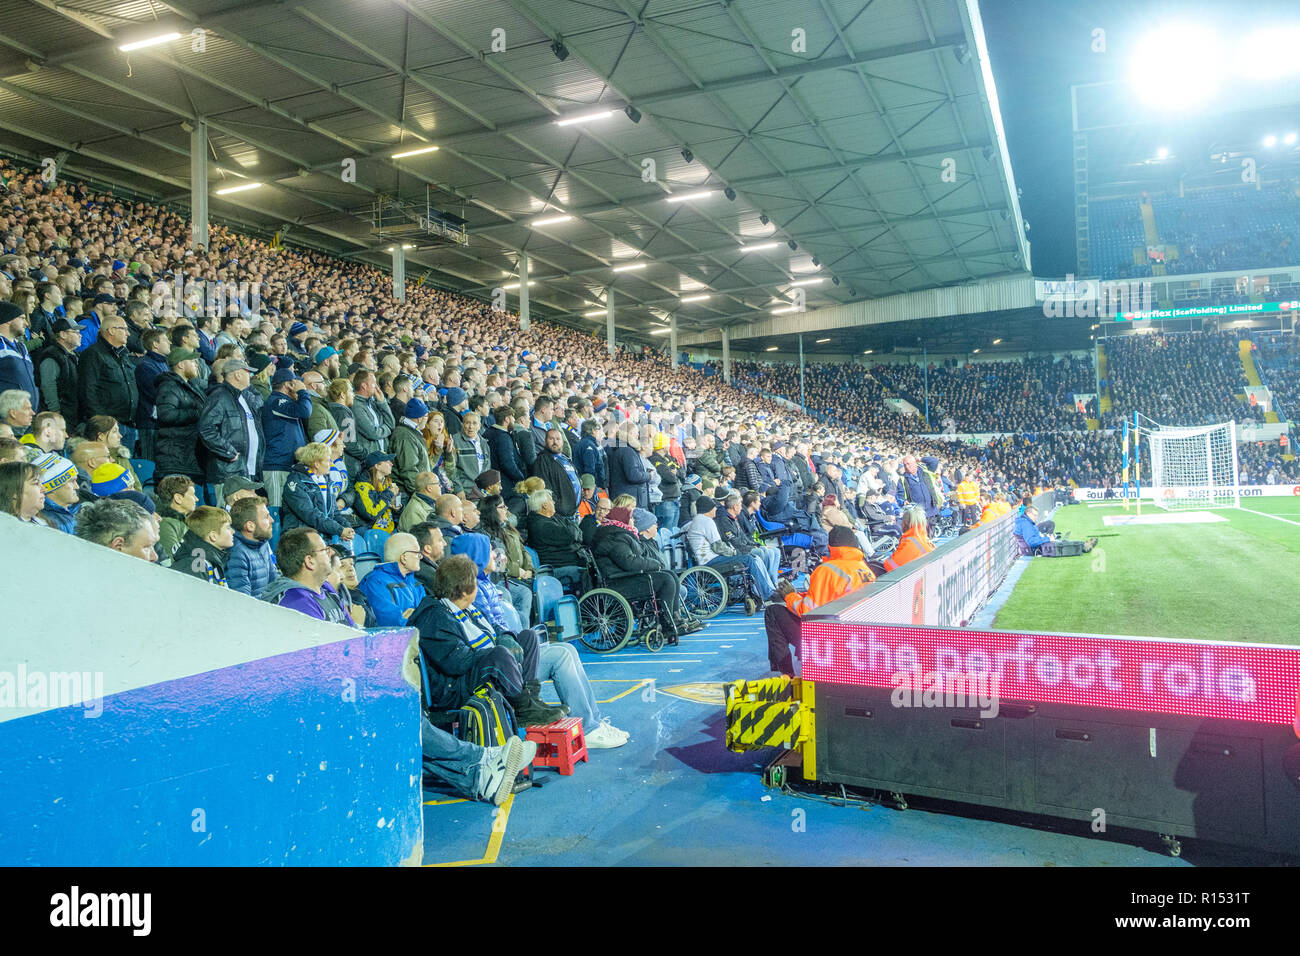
[
  {"x": 914, "y": 545},
  {"x": 844, "y": 571},
  {"x": 967, "y": 493}
]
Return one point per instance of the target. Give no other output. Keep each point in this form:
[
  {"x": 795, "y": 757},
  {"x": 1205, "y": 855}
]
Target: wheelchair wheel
[
  {"x": 704, "y": 592},
  {"x": 654, "y": 640},
  {"x": 605, "y": 620},
  {"x": 751, "y": 605}
]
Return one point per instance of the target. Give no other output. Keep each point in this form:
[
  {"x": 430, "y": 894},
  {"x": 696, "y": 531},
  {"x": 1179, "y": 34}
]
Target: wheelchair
[
  {"x": 707, "y": 590},
  {"x": 608, "y": 621},
  {"x": 798, "y": 551}
]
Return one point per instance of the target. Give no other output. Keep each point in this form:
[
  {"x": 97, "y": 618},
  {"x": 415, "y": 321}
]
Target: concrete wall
[{"x": 226, "y": 731}]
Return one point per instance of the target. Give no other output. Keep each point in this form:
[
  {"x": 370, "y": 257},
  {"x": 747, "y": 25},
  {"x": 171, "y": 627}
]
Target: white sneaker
[
  {"x": 605, "y": 737},
  {"x": 604, "y": 722},
  {"x": 501, "y": 768}
]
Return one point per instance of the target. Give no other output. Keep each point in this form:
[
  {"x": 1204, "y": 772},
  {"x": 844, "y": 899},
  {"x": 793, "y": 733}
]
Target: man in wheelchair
[{"x": 629, "y": 561}]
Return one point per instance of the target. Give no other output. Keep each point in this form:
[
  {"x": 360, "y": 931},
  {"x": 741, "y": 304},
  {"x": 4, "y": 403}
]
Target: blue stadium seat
[
  {"x": 374, "y": 541},
  {"x": 555, "y": 609}
]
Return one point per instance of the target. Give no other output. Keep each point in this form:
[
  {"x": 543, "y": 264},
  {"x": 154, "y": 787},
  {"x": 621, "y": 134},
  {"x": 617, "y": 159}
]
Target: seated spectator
[
  {"x": 377, "y": 496},
  {"x": 11, "y": 449},
  {"x": 109, "y": 479},
  {"x": 308, "y": 501},
  {"x": 591, "y": 522},
  {"x": 915, "y": 542},
  {"x": 59, "y": 482},
  {"x": 250, "y": 566},
  {"x": 48, "y": 435},
  {"x": 432, "y": 547},
  {"x": 21, "y": 493},
  {"x": 1053, "y": 546},
  {"x": 557, "y": 541},
  {"x": 634, "y": 567},
  {"x": 305, "y": 562},
  {"x": 765, "y": 562},
  {"x": 237, "y": 487},
  {"x": 461, "y": 655},
  {"x": 343, "y": 579},
  {"x": 391, "y": 589},
  {"x": 707, "y": 547},
  {"x": 496, "y": 522},
  {"x": 843, "y": 572},
  {"x": 105, "y": 429},
  {"x": 120, "y": 525},
  {"x": 16, "y": 409},
  {"x": 448, "y": 513},
  {"x": 421, "y": 505},
  {"x": 205, "y": 548},
  {"x": 177, "y": 498}
]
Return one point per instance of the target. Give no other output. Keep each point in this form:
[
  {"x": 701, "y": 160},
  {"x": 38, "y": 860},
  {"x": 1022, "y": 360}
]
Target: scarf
[
  {"x": 619, "y": 524},
  {"x": 476, "y": 635}
]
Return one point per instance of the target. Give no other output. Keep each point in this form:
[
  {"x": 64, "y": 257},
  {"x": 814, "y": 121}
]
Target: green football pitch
[{"x": 1234, "y": 580}]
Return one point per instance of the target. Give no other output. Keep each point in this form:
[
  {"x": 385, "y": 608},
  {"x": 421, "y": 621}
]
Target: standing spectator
[
  {"x": 341, "y": 402},
  {"x": 670, "y": 484},
  {"x": 231, "y": 428},
  {"x": 179, "y": 405},
  {"x": 204, "y": 549},
  {"x": 373, "y": 416},
  {"x": 56, "y": 371},
  {"x": 321, "y": 418},
  {"x": 557, "y": 471},
  {"x": 107, "y": 378},
  {"x": 308, "y": 498},
  {"x": 250, "y": 566},
  {"x": 17, "y": 372},
  {"x": 284, "y": 422},
  {"x": 410, "y": 454},
  {"x": 473, "y": 457},
  {"x": 587, "y": 455},
  {"x": 627, "y": 473},
  {"x": 147, "y": 370},
  {"x": 502, "y": 448}
]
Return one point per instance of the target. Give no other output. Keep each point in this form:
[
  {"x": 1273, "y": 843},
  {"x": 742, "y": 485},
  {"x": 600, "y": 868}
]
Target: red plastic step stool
[{"x": 559, "y": 745}]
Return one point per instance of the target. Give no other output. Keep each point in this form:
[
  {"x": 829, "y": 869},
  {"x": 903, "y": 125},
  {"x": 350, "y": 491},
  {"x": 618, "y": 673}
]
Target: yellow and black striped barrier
[{"x": 772, "y": 712}]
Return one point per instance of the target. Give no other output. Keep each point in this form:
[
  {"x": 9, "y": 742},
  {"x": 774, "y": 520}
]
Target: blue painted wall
[{"x": 307, "y": 757}]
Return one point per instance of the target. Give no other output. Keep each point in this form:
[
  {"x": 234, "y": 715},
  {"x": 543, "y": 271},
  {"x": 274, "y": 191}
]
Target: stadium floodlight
[
  {"x": 551, "y": 221},
  {"x": 593, "y": 314},
  {"x": 975, "y": 352},
  {"x": 585, "y": 118},
  {"x": 1268, "y": 54},
  {"x": 688, "y": 197},
  {"x": 414, "y": 152},
  {"x": 1270, "y": 141},
  {"x": 149, "y": 41},
  {"x": 868, "y": 351},
  {"x": 1162, "y": 152},
  {"x": 243, "y": 187},
  {"x": 630, "y": 267},
  {"x": 997, "y": 341},
  {"x": 1289, "y": 139},
  {"x": 1183, "y": 57},
  {"x": 772, "y": 348},
  {"x": 821, "y": 341},
  {"x": 696, "y": 298},
  {"x": 1193, "y": 468},
  {"x": 515, "y": 285},
  {"x": 760, "y": 247}
]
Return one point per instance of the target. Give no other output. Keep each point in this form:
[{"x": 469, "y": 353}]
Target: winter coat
[
  {"x": 250, "y": 566},
  {"x": 418, "y": 510},
  {"x": 390, "y": 593},
  {"x": 627, "y": 475},
  {"x": 447, "y": 654},
  {"x": 556, "y": 540},
  {"x": 505, "y": 456},
  {"x": 177, "y": 447},
  {"x": 147, "y": 370},
  {"x": 107, "y": 383},
  {"x": 223, "y": 429},
  {"x": 171, "y": 528},
  {"x": 550, "y": 468},
  {"x": 749, "y": 476},
  {"x": 320, "y": 417},
  {"x": 18, "y": 371},
  {"x": 707, "y": 465},
  {"x": 354, "y": 457},
  {"x": 411, "y": 456},
  {"x": 589, "y": 460},
  {"x": 305, "y": 505},
  {"x": 199, "y": 559},
  {"x": 323, "y": 605},
  {"x": 619, "y": 553},
  {"x": 58, "y": 376},
  {"x": 670, "y": 476},
  {"x": 374, "y": 424},
  {"x": 284, "y": 422},
  {"x": 468, "y": 465}
]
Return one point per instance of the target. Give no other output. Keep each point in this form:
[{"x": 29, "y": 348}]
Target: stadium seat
[{"x": 375, "y": 539}]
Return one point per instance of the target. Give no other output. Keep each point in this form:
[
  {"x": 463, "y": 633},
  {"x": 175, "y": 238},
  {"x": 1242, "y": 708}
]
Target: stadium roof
[{"x": 840, "y": 146}]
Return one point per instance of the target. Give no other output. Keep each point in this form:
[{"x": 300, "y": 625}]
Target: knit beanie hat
[
  {"x": 108, "y": 479},
  {"x": 56, "y": 471}
]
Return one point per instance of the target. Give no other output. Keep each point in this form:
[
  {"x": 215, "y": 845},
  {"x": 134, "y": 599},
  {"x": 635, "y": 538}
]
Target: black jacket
[
  {"x": 222, "y": 427},
  {"x": 627, "y": 475},
  {"x": 670, "y": 476},
  {"x": 178, "y": 450},
  {"x": 619, "y": 553},
  {"x": 548, "y": 468},
  {"x": 107, "y": 383},
  {"x": 505, "y": 457},
  {"x": 799, "y": 466},
  {"x": 556, "y": 540},
  {"x": 748, "y": 475},
  {"x": 304, "y": 505},
  {"x": 730, "y": 531},
  {"x": 60, "y": 392},
  {"x": 447, "y": 655}
]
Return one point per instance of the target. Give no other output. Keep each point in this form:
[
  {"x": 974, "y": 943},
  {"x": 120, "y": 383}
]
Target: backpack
[{"x": 485, "y": 719}]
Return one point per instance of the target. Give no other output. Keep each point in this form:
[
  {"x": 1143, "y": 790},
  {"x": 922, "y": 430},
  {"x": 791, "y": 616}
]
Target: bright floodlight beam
[
  {"x": 630, "y": 267},
  {"x": 551, "y": 221},
  {"x": 237, "y": 189},
  {"x": 688, "y": 197},
  {"x": 415, "y": 152},
  {"x": 1162, "y": 152},
  {"x": 151, "y": 41},
  {"x": 1270, "y": 141},
  {"x": 696, "y": 298},
  {"x": 1183, "y": 57},
  {"x": 759, "y": 247}
]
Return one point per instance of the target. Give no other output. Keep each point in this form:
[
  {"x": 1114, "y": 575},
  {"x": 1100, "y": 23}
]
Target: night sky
[{"x": 1039, "y": 48}]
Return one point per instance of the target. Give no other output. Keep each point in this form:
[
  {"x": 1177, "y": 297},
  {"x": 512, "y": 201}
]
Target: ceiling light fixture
[
  {"x": 633, "y": 113},
  {"x": 237, "y": 189},
  {"x": 997, "y": 341},
  {"x": 559, "y": 49},
  {"x": 729, "y": 193},
  {"x": 868, "y": 351},
  {"x": 515, "y": 285},
  {"x": 151, "y": 41},
  {"x": 585, "y": 118},
  {"x": 631, "y": 267},
  {"x": 688, "y": 155},
  {"x": 551, "y": 221},
  {"x": 696, "y": 298},
  {"x": 687, "y": 197},
  {"x": 415, "y": 152},
  {"x": 809, "y": 281},
  {"x": 772, "y": 348},
  {"x": 592, "y": 315},
  {"x": 786, "y": 310},
  {"x": 821, "y": 341},
  {"x": 660, "y": 331},
  {"x": 760, "y": 247}
]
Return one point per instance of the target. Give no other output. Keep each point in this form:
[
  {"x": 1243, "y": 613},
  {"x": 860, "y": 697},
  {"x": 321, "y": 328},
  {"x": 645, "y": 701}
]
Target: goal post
[{"x": 1193, "y": 467}]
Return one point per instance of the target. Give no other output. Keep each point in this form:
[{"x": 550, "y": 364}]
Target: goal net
[{"x": 1193, "y": 468}]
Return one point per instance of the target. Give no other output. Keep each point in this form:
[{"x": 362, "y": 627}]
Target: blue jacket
[
  {"x": 284, "y": 421},
  {"x": 250, "y": 566},
  {"x": 147, "y": 371},
  {"x": 505, "y": 457},
  {"x": 17, "y": 370},
  {"x": 1026, "y": 529},
  {"x": 915, "y": 490},
  {"x": 588, "y": 459},
  {"x": 305, "y": 505},
  {"x": 389, "y": 593},
  {"x": 627, "y": 476},
  {"x": 59, "y": 517},
  {"x": 89, "y": 330}
]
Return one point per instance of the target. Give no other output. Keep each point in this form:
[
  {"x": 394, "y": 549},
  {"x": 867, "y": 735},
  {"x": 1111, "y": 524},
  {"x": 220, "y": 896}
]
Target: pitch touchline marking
[
  {"x": 494, "y": 843},
  {"x": 1274, "y": 517}
]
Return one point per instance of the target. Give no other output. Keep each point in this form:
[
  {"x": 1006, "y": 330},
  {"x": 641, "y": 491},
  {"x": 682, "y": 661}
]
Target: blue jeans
[
  {"x": 521, "y": 597},
  {"x": 771, "y": 559},
  {"x": 559, "y": 662},
  {"x": 667, "y": 512},
  {"x": 757, "y": 571},
  {"x": 457, "y": 763}
]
